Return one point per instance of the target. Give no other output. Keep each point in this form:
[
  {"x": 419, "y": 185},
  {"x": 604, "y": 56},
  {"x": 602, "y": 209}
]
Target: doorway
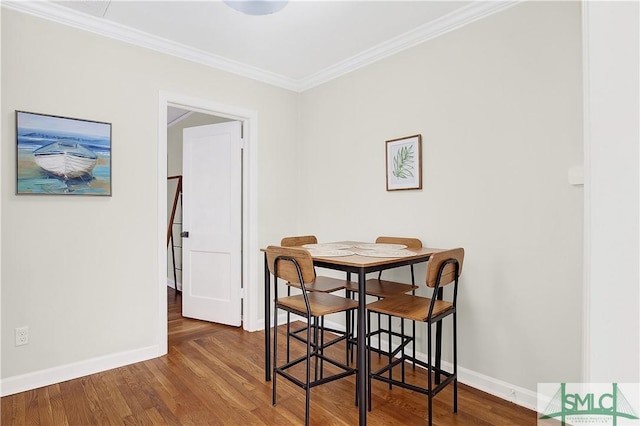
[{"x": 250, "y": 250}]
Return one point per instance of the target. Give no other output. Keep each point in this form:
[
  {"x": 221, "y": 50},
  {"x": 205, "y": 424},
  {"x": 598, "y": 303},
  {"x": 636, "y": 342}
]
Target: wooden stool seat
[
  {"x": 321, "y": 303},
  {"x": 382, "y": 288},
  {"x": 323, "y": 284},
  {"x": 410, "y": 307}
]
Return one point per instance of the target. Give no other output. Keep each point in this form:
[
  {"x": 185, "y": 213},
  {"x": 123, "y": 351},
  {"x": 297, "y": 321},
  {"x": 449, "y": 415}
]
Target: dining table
[{"x": 364, "y": 259}]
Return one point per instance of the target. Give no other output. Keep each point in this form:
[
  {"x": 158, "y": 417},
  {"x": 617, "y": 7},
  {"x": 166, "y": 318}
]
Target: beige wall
[
  {"x": 82, "y": 272},
  {"x": 498, "y": 104}
]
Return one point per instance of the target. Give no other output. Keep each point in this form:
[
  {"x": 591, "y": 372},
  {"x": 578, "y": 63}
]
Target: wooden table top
[
  {"x": 359, "y": 260},
  {"x": 356, "y": 260}
]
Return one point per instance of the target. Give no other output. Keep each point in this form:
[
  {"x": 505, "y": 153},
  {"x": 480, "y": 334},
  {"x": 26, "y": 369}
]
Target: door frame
[{"x": 250, "y": 249}]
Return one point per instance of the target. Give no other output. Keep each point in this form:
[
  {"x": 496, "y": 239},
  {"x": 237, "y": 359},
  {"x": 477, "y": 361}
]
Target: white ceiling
[{"x": 305, "y": 44}]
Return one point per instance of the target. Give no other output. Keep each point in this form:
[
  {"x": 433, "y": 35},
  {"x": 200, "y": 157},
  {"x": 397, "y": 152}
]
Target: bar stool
[
  {"x": 443, "y": 269},
  {"x": 296, "y": 266}
]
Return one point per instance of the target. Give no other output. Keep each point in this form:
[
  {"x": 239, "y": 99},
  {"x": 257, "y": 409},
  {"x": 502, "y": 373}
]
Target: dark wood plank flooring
[{"x": 213, "y": 375}]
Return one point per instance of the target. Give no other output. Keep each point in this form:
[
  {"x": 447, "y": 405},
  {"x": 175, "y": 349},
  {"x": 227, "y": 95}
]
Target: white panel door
[{"x": 212, "y": 193}]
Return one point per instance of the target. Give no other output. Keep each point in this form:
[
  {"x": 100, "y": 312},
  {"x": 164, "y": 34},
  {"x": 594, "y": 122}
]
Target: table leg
[
  {"x": 363, "y": 370},
  {"x": 267, "y": 319}
]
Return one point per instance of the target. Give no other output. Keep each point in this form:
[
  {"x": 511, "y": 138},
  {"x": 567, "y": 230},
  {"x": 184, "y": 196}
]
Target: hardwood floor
[{"x": 213, "y": 375}]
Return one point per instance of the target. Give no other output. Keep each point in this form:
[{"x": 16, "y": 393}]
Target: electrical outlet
[{"x": 22, "y": 335}]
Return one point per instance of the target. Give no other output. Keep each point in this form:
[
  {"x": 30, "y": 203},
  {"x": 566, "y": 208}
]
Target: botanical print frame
[
  {"x": 404, "y": 163},
  {"x": 62, "y": 155}
]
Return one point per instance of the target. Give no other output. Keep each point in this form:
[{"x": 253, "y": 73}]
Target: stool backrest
[
  {"x": 298, "y": 241},
  {"x": 411, "y": 243},
  {"x": 451, "y": 263},
  {"x": 291, "y": 264}
]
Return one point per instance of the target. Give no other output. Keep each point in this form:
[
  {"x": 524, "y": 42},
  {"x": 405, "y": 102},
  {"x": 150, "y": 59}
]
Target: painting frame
[
  {"x": 58, "y": 155},
  {"x": 404, "y": 163}
]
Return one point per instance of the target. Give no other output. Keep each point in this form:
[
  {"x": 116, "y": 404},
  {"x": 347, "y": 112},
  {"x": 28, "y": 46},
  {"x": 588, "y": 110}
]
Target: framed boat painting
[
  {"x": 62, "y": 155},
  {"x": 404, "y": 163}
]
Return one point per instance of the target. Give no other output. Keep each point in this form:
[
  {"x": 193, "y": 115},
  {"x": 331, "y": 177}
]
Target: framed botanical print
[{"x": 404, "y": 163}]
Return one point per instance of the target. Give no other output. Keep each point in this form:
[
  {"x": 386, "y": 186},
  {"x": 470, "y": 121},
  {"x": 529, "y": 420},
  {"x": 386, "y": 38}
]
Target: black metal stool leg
[
  {"x": 288, "y": 322},
  {"x": 275, "y": 354},
  {"x": 429, "y": 378},
  {"x": 402, "y": 343},
  {"x": 368, "y": 372},
  {"x": 455, "y": 363},
  {"x": 307, "y": 387},
  {"x": 438, "y": 350}
]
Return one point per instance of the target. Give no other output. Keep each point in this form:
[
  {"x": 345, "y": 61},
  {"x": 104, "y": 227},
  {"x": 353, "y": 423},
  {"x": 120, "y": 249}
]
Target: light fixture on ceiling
[{"x": 257, "y": 7}]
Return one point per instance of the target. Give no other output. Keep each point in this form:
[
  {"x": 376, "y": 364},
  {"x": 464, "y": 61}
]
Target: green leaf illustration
[{"x": 403, "y": 162}]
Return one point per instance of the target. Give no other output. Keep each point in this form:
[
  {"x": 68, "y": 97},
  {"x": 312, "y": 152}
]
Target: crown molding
[
  {"x": 454, "y": 20},
  {"x": 63, "y": 15}
]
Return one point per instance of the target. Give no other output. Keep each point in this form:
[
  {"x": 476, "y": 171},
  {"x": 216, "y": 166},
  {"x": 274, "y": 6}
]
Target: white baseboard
[
  {"x": 11, "y": 385},
  {"x": 507, "y": 391},
  {"x": 282, "y": 319},
  {"x": 50, "y": 376}
]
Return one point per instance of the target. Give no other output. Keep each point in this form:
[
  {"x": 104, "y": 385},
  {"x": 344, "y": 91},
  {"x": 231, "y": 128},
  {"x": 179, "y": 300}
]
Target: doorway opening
[{"x": 250, "y": 250}]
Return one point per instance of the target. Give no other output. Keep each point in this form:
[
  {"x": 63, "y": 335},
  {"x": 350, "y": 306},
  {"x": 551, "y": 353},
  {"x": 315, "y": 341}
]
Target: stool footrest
[
  {"x": 405, "y": 340},
  {"x": 342, "y": 335},
  {"x": 347, "y": 371},
  {"x": 378, "y": 375}
]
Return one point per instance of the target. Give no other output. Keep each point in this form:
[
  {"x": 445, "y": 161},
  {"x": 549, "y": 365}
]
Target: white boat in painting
[{"x": 66, "y": 159}]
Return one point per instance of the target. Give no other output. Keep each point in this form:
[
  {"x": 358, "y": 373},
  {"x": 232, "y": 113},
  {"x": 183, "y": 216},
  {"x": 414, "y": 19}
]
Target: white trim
[
  {"x": 161, "y": 299},
  {"x": 250, "y": 249},
  {"x": 503, "y": 390},
  {"x": 429, "y": 31},
  {"x": 282, "y": 319},
  {"x": 586, "y": 241},
  {"x": 66, "y": 16},
  {"x": 49, "y": 376},
  {"x": 1, "y": 191}
]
